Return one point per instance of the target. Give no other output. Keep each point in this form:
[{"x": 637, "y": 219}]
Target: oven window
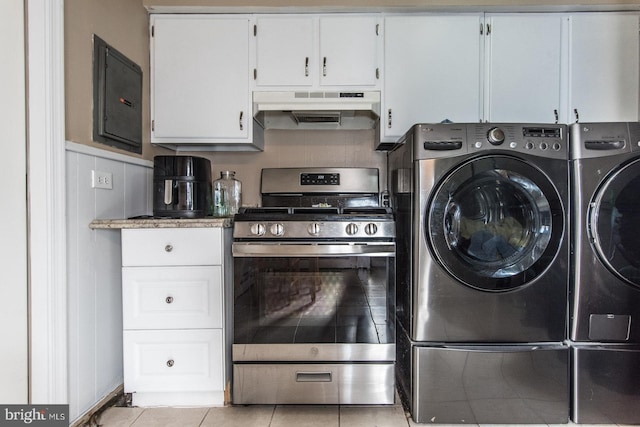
[{"x": 313, "y": 300}]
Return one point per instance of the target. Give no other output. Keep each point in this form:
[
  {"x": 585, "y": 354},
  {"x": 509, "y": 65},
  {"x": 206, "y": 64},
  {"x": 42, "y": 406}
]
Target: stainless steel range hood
[{"x": 317, "y": 110}]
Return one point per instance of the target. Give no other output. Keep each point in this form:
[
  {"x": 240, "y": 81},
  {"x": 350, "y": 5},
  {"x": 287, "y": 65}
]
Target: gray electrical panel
[{"x": 117, "y": 98}]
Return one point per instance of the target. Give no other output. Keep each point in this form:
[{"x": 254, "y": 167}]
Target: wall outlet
[{"x": 101, "y": 180}]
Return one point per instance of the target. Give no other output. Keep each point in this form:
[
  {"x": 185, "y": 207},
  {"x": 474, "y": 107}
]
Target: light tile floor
[{"x": 265, "y": 416}]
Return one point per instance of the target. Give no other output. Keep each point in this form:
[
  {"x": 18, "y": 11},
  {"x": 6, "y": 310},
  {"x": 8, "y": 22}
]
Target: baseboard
[{"x": 88, "y": 418}]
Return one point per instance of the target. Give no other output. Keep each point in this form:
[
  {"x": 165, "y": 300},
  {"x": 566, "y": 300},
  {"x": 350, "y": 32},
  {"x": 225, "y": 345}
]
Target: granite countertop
[{"x": 207, "y": 222}]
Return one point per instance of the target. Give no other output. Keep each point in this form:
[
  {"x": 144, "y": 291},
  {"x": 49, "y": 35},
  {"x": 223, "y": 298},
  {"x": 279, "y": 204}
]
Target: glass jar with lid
[{"x": 227, "y": 194}]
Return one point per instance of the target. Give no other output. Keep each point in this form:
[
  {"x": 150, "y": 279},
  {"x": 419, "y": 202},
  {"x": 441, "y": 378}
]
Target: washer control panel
[
  {"x": 431, "y": 141},
  {"x": 536, "y": 139}
]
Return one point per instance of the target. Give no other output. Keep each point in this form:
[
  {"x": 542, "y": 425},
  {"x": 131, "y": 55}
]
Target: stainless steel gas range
[{"x": 314, "y": 294}]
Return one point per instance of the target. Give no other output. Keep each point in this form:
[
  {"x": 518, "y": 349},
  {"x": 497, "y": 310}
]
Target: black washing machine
[
  {"x": 605, "y": 302},
  {"x": 482, "y": 272}
]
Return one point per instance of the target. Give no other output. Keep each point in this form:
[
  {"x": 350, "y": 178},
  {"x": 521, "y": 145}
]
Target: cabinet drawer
[
  {"x": 171, "y": 246},
  {"x": 181, "y": 360},
  {"x": 172, "y": 297}
]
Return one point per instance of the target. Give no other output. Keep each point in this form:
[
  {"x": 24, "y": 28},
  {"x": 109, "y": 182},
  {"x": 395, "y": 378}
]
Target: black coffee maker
[{"x": 181, "y": 186}]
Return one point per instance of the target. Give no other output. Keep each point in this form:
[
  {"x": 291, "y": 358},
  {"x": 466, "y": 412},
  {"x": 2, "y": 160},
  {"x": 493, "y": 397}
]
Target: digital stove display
[{"x": 320, "y": 179}]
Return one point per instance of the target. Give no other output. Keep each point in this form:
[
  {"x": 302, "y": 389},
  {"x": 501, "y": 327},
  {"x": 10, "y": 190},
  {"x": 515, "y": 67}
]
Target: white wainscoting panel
[{"x": 94, "y": 268}]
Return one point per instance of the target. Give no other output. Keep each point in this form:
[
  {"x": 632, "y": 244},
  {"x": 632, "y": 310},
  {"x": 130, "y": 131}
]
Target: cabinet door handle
[
  {"x": 324, "y": 67},
  {"x": 168, "y": 248},
  {"x": 169, "y": 300},
  {"x": 389, "y": 118},
  {"x": 575, "y": 111},
  {"x": 170, "y": 363},
  {"x": 555, "y": 114},
  {"x": 241, "y": 117},
  {"x": 306, "y": 66}
]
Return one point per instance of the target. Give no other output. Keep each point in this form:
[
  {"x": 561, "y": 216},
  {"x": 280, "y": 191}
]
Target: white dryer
[{"x": 605, "y": 279}]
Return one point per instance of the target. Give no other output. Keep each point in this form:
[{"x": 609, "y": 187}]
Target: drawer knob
[
  {"x": 169, "y": 300},
  {"x": 168, "y": 248},
  {"x": 170, "y": 362}
]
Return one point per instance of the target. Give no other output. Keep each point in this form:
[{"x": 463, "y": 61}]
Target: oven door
[
  {"x": 320, "y": 302},
  {"x": 314, "y": 323}
]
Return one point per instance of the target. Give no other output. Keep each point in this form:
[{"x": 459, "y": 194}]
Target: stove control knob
[
  {"x": 371, "y": 229},
  {"x": 352, "y": 229},
  {"x": 495, "y": 136},
  {"x": 313, "y": 229},
  {"x": 277, "y": 229},
  {"x": 257, "y": 229}
]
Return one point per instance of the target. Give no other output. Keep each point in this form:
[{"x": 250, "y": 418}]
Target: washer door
[
  {"x": 495, "y": 223},
  {"x": 614, "y": 222}
]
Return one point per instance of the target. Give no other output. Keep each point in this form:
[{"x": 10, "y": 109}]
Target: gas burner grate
[
  {"x": 315, "y": 210},
  {"x": 263, "y": 210},
  {"x": 364, "y": 210}
]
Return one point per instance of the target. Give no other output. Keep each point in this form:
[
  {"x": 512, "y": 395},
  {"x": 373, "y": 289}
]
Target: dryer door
[
  {"x": 614, "y": 222},
  {"x": 495, "y": 223}
]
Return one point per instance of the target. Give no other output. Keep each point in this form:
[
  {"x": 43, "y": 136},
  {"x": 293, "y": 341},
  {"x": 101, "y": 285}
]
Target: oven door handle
[{"x": 289, "y": 249}]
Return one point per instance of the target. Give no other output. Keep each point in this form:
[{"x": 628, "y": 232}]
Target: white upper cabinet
[
  {"x": 317, "y": 51},
  {"x": 523, "y": 67},
  {"x": 349, "y": 50},
  {"x": 285, "y": 51},
  {"x": 432, "y": 67},
  {"x": 200, "y": 81},
  {"x": 462, "y": 67},
  {"x": 604, "y": 67},
  {"x": 470, "y": 68}
]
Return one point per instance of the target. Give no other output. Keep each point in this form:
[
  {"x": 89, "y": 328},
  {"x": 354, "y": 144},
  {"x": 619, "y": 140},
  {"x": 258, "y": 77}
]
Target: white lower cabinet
[
  {"x": 172, "y": 297},
  {"x": 168, "y": 363},
  {"x": 173, "y": 317}
]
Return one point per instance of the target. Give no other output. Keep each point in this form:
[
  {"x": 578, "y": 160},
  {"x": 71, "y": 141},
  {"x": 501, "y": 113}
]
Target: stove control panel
[{"x": 314, "y": 229}]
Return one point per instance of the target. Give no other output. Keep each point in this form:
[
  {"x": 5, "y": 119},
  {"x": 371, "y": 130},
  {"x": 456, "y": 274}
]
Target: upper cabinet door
[
  {"x": 523, "y": 68},
  {"x": 604, "y": 67},
  {"x": 200, "y": 78},
  {"x": 285, "y": 54},
  {"x": 317, "y": 51},
  {"x": 431, "y": 71},
  {"x": 349, "y": 50}
]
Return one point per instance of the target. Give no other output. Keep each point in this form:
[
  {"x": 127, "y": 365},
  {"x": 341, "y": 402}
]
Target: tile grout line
[
  {"x": 273, "y": 414},
  {"x": 137, "y": 418}
]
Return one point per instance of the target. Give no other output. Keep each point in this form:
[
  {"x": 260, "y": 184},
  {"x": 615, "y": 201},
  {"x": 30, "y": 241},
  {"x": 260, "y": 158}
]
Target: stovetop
[
  {"x": 316, "y": 203},
  {"x": 297, "y": 212}
]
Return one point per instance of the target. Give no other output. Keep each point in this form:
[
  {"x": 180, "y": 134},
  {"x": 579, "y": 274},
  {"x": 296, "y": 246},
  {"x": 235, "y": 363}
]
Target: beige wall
[
  {"x": 296, "y": 149},
  {"x": 124, "y": 25}
]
